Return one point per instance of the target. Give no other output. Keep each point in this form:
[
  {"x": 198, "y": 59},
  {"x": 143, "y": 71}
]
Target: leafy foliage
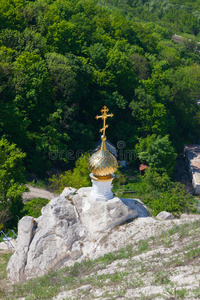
[
  {"x": 33, "y": 207},
  {"x": 77, "y": 178},
  {"x": 120, "y": 178},
  {"x": 60, "y": 61},
  {"x": 157, "y": 152},
  {"x": 159, "y": 193},
  {"x": 178, "y": 16},
  {"x": 11, "y": 182}
]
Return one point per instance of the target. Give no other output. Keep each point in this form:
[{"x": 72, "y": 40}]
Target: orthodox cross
[{"x": 104, "y": 116}]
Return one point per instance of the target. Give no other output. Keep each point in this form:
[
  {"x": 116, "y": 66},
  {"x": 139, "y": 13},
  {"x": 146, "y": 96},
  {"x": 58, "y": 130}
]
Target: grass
[
  {"x": 4, "y": 258},
  {"x": 161, "y": 277},
  {"x": 175, "y": 293},
  {"x": 193, "y": 253},
  {"x": 143, "y": 246},
  {"x": 129, "y": 273},
  {"x": 41, "y": 184},
  {"x": 197, "y": 292}
]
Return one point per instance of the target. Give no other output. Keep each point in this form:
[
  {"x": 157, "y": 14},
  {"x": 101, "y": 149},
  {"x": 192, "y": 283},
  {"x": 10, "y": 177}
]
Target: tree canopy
[
  {"x": 62, "y": 60},
  {"x": 12, "y": 181}
]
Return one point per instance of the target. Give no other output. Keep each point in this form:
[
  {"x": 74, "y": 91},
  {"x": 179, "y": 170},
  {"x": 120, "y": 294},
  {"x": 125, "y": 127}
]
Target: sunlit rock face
[{"x": 70, "y": 229}]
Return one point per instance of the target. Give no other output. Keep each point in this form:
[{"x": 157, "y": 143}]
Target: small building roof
[{"x": 143, "y": 167}]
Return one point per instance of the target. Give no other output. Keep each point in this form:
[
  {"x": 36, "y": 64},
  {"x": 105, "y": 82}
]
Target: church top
[
  {"x": 102, "y": 163},
  {"x": 104, "y": 116}
]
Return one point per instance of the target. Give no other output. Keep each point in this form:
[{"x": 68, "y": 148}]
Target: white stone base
[{"x": 101, "y": 190}]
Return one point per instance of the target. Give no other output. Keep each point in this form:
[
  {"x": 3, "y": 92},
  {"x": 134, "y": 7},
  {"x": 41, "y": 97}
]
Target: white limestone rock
[
  {"x": 68, "y": 193},
  {"x": 164, "y": 215},
  {"x": 138, "y": 206},
  {"x": 101, "y": 216},
  {"x": 17, "y": 261},
  {"x": 71, "y": 228},
  {"x": 46, "y": 242}
]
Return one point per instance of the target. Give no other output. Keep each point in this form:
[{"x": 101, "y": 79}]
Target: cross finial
[{"x": 104, "y": 116}]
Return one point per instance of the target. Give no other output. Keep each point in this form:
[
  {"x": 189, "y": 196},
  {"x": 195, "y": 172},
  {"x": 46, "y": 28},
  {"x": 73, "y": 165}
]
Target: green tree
[
  {"x": 33, "y": 207},
  {"x": 151, "y": 114},
  {"x": 120, "y": 72},
  {"x": 163, "y": 194},
  {"x": 61, "y": 37},
  {"x": 63, "y": 79},
  {"x": 153, "y": 181},
  {"x": 12, "y": 179},
  {"x": 32, "y": 86},
  {"x": 184, "y": 86},
  {"x": 33, "y": 101},
  {"x": 77, "y": 178},
  {"x": 157, "y": 152},
  {"x": 11, "y": 15}
]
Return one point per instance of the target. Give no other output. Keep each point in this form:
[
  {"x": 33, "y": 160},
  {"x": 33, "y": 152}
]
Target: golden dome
[{"x": 102, "y": 163}]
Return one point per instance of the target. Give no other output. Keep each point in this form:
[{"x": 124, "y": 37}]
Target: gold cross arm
[
  {"x": 104, "y": 116},
  {"x": 106, "y": 126}
]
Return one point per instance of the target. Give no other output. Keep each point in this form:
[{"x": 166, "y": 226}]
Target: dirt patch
[{"x": 37, "y": 193}]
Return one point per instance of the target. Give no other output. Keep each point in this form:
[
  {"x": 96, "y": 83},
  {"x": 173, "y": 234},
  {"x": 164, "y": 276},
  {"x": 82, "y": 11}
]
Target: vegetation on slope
[
  {"x": 62, "y": 60},
  {"x": 146, "y": 269},
  {"x": 179, "y": 16}
]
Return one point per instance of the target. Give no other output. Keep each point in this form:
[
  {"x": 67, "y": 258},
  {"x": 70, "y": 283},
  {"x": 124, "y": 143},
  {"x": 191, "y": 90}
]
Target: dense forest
[
  {"x": 62, "y": 60},
  {"x": 179, "y": 16}
]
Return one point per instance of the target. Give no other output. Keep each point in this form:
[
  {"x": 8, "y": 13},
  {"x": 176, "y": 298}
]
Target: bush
[
  {"x": 12, "y": 179},
  {"x": 157, "y": 152},
  {"x": 120, "y": 179},
  {"x": 77, "y": 178},
  {"x": 34, "y": 206},
  {"x": 175, "y": 200},
  {"x": 41, "y": 184},
  {"x": 159, "y": 193},
  {"x": 152, "y": 180}
]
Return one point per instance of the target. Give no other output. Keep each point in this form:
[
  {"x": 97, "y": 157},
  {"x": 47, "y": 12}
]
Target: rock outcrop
[
  {"x": 68, "y": 230},
  {"x": 165, "y": 215}
]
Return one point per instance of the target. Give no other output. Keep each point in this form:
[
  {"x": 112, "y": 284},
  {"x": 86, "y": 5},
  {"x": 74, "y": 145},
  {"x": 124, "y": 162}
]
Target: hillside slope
[
  {"x": 160, "y": 261},
  {"x": 62, "y": 60}
]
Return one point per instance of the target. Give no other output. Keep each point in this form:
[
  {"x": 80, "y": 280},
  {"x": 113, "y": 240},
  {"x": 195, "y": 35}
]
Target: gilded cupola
[{"x": 102, "y": 163}]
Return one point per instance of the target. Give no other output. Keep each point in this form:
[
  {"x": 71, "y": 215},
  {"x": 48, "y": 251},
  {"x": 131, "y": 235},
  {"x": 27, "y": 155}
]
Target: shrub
[
  {"x": 12, "y": 181},
  {"x": 175, "y": 200},
  {"x": 120, "y": 179},
  {"x": 34, "y": 206},
  {"x": 157, "y": 152},
  {"x": 77, "y": 178},
  {"x": 159, "y": 193}
]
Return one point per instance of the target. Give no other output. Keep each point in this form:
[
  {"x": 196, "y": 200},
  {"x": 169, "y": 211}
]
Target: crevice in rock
[
  {"x": 35, "y": 225},
  {"x": 76, "y": 213},
  {"x": 60, "y": 263}
]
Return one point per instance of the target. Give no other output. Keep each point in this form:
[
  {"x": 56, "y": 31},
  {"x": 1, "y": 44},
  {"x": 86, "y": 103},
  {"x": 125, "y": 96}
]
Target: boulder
[
  {"x": 17, "y": 261},
  {"x": 164, "y": 215},
  {"x": 99, "y": 216},
  {"x": 46, "y": 242},
  {"x": 67, "y": 231},
  {"x": 138, "y": 206}
]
